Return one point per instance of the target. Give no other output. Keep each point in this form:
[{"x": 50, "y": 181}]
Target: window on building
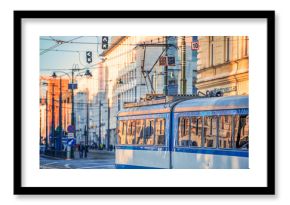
[
  {"x": 183, "y": 131},
  {"x": 131, "y": 131},
  {"x": 225, "y": 132},
  {"x": 149, "y": 132},
  {"x": 227, "y": 49},
  {"x": 241, "y": 131},
  {"x": 139, "y": 131},
  {"x": 196, "y": 132},
  {"x": 122, "y": 128},
  {"x": 211, "y": 51},
  {"x": 246, "y": 43},
  {"x": 160, "y": 132},
  {"x": 210, "y": 131}
]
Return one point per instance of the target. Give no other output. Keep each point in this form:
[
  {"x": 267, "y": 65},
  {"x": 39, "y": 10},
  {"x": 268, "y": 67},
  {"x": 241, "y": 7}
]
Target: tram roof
[
  {"x": 213, "y": 103},
  {"x": 184, "y": 105}
]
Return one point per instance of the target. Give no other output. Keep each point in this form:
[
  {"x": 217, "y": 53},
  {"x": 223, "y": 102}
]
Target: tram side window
[
  {"x": 139, "y": 131},
  {"x": 210, "y": 131},
  {"x": 196, "y": 131},
  {"x": 225, "y": 132},
  {"x": 122, "y": 132},
  {"x": 149, "y": 132},
  {"x": 131, "y": 131},
  {"x": 241, "y": 131},
  {"x": 160, "y": 132},
  {"x": 183, "y": 131}
]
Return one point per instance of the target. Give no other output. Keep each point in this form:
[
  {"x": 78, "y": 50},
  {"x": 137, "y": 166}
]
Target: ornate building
[{"x": 223, "y": 64}]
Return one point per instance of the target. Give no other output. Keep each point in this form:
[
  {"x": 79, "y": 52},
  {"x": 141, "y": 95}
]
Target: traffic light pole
[
  {"x": 87, "y": 126},
  {"x": 100, "y": 104},
  {"x": 108, "y": 130}
]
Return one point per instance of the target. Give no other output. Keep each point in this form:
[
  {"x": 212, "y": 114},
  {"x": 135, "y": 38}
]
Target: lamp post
[
  {"x": 58, "y": 145},
  {"x": 72, "y": 86},
  {"x": 88, "y": 74},
  {"x": 46, "y": 115}
]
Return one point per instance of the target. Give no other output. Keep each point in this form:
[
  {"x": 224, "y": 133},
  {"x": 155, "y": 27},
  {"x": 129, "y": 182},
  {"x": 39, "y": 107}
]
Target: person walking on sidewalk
[{"x": 80, "y": 149}]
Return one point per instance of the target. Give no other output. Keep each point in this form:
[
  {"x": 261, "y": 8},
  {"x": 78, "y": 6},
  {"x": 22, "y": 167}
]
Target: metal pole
[
  {"x": 87, "y": 126},
  {"x": 100, "y": 104},
  {"x": 60, "y": 115},
  {"x": 72, "y": 103},
  {"x": 52, "y": 110},
  {"x": 40, "y": 125},
  {"x": 183, "y": 67},
  {"x": 108, "y": 130},
  {"x": 46, "y": 121},
  {"x": 166, "y": 69}
]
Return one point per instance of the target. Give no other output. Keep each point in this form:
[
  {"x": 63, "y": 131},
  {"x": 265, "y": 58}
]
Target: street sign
[
  {"x": 72, "y": 86},
  {"x": 194, "y": 45},
  {"x": 89, "y": 56},
  {"x": 70, "y": 135},
  {"x": 71, "y": 142},
  {"x": 105, "y": 41},
  {"x": 70, "y": 129},
  {"x": 171, "y": 61},
  {"x": 163, "y": 61}
]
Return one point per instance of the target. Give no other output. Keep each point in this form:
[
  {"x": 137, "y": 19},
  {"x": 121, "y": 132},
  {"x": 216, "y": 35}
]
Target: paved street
[{"x": 95, "y": 160}]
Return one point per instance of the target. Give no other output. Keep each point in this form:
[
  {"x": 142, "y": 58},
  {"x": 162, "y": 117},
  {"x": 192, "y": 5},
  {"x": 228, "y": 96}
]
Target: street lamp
[
  {"x": 72, "y": 86},
  {"x": 58, "y": 145},
  {"x": 88, "y": 74},
  {"x": 46, "y": 116}
]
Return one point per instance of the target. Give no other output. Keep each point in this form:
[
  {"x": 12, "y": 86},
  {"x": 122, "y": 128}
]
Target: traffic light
[
  {"x": 105, "y": 41},
  {"x": 89, "y": 56}
]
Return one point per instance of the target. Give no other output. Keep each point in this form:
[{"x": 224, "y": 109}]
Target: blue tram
[{"x": 198, "y": 133}]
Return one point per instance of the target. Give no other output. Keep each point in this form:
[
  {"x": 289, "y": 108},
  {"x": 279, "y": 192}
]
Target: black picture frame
[{"x": 21, "y": 190}]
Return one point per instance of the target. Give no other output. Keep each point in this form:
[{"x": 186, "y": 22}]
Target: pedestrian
[{"x": 80, "y": 150}]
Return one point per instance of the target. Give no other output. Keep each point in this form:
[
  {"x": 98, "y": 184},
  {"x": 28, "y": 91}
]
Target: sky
[{"x": 64, "y": 56}]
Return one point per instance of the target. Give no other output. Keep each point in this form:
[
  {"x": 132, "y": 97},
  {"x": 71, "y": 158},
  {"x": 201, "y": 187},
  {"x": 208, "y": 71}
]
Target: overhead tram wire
[
  {"x": 58, "y": 43},
  {"x": 158, "y": 40},
  {"x": 131, "y": 44}
]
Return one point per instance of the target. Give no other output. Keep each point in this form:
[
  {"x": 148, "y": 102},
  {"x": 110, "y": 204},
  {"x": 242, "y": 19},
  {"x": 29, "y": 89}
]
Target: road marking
[
  {"x": 98, "y": 166},
  {"x": 67, "y": 166},
  {"x": 50, "y": 163}
]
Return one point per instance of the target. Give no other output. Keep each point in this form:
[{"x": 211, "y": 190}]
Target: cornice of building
[{"x": 200, "y": 70}]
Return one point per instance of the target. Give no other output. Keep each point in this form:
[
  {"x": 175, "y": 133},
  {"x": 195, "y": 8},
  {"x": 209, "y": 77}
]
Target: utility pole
[
  {"x": 40, "y": 125},
  {"x": 100, "y": 104},
  {"x": 46, "y": 121},
  {"x": 166, "y": 69},
  {"x": 72, "y": 103},
  {"x": 87, "y": 125},
  {"x": 183, "y": 67},
  {"x": 60, "y": 116},
  {"x": 52, "y": 118},
  {"x": 108, "y": 130}
]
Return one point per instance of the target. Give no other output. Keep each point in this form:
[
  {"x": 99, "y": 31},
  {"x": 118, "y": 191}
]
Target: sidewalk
[
  {"x": 92, "y": 154},
  {"x": 96, "y": 154}
]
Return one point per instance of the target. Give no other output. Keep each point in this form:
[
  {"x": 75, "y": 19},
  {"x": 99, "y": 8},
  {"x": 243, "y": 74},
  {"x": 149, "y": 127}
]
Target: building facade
[
  {"x": 132, "y": 69},
  {"x": 223, "y": 64},
  {"x": 52, "y": 95}
]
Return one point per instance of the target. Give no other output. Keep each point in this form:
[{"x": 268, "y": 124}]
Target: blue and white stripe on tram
[{"x": 170, "y": 155}]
